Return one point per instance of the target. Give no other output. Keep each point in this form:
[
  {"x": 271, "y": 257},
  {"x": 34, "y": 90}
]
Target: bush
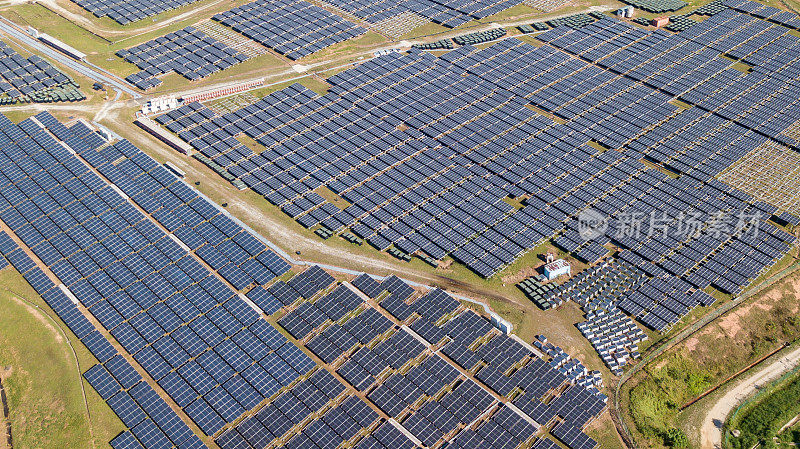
[
  {"x": 649, "y": 410},
  {"x": 676, "y": 438},
  {"x": 656, "y": 399}
]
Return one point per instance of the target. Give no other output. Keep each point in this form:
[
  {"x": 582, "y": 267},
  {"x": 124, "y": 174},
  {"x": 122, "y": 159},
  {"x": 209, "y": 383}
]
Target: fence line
[
  {"x": 617, "y": 417},
  {"x": 735, "y": 375},
  {"x": 6, "y": 421},
  {"x": 754, "y": 398}
]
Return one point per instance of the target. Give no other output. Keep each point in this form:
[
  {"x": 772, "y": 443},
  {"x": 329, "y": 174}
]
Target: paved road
[
  {"x": 87, "y": 69},
  {"x": 711, "y": 431}
]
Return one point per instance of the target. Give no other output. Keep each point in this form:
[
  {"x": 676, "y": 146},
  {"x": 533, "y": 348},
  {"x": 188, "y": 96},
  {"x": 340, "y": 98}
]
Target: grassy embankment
[{"x": 42, "y": 379}]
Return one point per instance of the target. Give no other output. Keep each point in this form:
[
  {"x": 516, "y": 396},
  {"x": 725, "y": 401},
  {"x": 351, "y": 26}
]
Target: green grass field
[{"x": 43, "y": 383}]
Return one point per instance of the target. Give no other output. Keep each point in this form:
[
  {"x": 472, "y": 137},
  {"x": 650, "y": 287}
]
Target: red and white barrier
[{"x": 210, "y": 95}]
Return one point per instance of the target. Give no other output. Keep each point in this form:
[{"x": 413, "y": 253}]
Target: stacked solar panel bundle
[
  {"x": 480, "y": 37},
  {"x": 33, "y": 79},
  {"x": 679, "y": 23},
  {"x": 614, "y": 336},
  {"x": 533, "y": 27},
  {"x": 293, "y": 28},
  {"x": 188, "y": 52},
  {"x": 128, "y": 11},
  {"x": 572, "y": 368},
  {"x": 444, "y": 44},
  {"x": 543, "y": 295}
]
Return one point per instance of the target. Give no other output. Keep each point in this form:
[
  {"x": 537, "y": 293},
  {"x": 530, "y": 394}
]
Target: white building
[
  {"x": 61, "y": 46},
  {"x": 160, "y": 104},
  {"x": 502, "y": 324},
  {"x": 557, "y": 268}
]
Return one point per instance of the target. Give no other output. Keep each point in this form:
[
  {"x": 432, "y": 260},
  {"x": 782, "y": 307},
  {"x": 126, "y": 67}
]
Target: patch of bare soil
[
  {"x": 731, "y": 323},
  {"x": 520, "y": 276}
]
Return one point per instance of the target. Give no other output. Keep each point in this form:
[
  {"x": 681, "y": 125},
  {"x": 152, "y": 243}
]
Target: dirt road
[{"x": 711, "y": 433}]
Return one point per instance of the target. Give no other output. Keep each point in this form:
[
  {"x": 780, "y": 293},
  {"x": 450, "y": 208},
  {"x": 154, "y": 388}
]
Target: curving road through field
[{"x": 711, "y": 431}]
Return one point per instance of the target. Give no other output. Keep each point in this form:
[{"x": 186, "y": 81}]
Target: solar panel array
[
  {"x": 391, "y": 355},
  {"x": 293, "y": 28},
  {"x": 415, "y": 188},
  {"x": 128, "y": 11},
  {"x": 426, "y": 149},
  {"x": 601, "y": 286},
  {"x": 187, "y": 52},
  {"x": 203, "y": 344},
  {"x": 118, "y": 242},
  {"x": 150, "y": 421},
  {"x": 32, "y": 78},
  {"x": 449, "y": 13}
]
